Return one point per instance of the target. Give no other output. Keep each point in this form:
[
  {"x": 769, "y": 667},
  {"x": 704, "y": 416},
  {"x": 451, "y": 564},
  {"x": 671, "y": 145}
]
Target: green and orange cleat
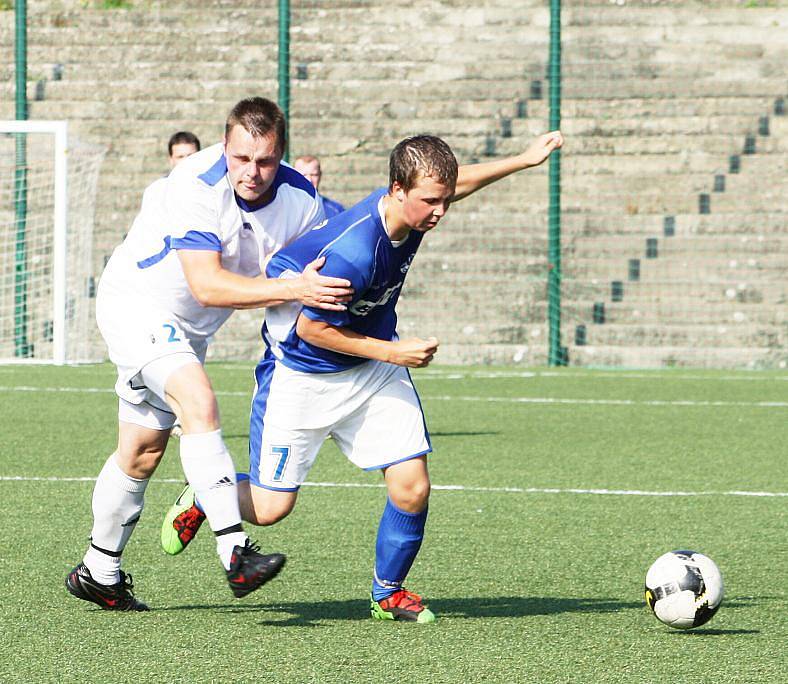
[
  {"x": 181, "y": 523},
  {"x": 402, "y": 605}
]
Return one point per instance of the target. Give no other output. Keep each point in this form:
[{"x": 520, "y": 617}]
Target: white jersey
[
  {"x": 196, "y": 208},
  {"x": 154, "y": 193}
]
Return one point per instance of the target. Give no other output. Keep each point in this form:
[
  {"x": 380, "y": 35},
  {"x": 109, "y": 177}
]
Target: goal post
[{"x": 46, "y": 229}]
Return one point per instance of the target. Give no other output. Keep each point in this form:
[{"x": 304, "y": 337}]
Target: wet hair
[
  {"x": 183, "y": 138},
  {"x": 422, "y": 155},
  {"x": 259, "y": 116}
]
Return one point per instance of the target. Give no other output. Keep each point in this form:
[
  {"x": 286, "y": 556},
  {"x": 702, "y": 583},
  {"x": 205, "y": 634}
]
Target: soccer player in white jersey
[
  {"x": 344, "y": 373},
  {"x": 186, "y": 264}
]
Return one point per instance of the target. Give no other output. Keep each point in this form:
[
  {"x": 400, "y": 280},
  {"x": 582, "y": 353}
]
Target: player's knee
[
  {"x": 271, "y": 510},
  {"x": 140, "y": 450},
  {"x": 412, "y": 497},
  {"x": 270, "y": 516},
  {"x": 200, "y": 413},
  {"x": 140, "y": 460}
]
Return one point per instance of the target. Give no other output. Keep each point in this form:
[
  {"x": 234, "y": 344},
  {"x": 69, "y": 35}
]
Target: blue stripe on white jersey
[
  {"x": 356, "y": 247},
  {"x": 194, "y": 239},
  {"x": 218, "y": 171}
]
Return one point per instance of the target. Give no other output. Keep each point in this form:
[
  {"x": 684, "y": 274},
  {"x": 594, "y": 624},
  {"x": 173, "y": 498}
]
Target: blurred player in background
[
  {"x": 189, "y": 260},
  {"x": 309, "y": 166},
  {"x": 181, "y": 145},
  {"x": 344, "y": 373}
]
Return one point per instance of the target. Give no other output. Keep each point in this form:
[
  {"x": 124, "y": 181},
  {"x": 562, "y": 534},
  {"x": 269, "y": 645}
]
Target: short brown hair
[
  {"x": 183, "y": 138},
  {"x": 259, "y": 116},
  {"x": 422, "y": 155}
]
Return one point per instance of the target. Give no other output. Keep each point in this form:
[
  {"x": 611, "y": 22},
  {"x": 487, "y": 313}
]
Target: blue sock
[
  {"x": 399, "y": 540},
  {"x": 239, "y": 477}
]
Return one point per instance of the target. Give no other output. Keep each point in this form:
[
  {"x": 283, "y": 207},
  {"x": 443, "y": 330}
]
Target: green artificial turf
[{"x": 532, "y": 582}]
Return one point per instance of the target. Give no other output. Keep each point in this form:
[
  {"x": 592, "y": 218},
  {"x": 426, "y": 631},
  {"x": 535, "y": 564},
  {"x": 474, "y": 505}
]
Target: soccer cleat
[
  {"x": 118, "y": 596},
  {"x": 250, "y": 569},
  {"x": 402, "y": 605},
  {"x": 181, "y": 522}
]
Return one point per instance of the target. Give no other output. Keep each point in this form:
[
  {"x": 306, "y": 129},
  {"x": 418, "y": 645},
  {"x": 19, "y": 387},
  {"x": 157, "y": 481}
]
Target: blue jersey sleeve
[{"x": 359, "y": 275}]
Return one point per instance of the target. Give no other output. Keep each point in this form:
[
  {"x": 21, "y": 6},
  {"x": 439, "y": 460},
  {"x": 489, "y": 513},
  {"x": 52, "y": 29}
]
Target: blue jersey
[
  {"x": 357, "y": 248},
  {"x": 331, "y": 207}
]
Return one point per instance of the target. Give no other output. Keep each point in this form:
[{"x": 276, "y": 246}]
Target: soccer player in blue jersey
[{"x": 345, "y": 373}]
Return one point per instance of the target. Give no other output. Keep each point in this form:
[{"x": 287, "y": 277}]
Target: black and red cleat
[
  {"x": 250, "y": 569},
  {"x": 118, "y": 596}
]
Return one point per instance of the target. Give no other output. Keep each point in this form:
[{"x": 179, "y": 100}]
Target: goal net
[{"x": 47, "y": 202}]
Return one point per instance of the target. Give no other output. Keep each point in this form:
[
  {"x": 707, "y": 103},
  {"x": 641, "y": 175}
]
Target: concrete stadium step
[
  {"x": 677, "y": 357},
  {"x": 678, "y": 289},
  {"x": 666, "y": 334},
  {"x": 673, "y": 312},
  {"x": 653, "y": 272},
  {"x": 752, "y": 224},
  {"x": 689, "y": 36},
  {"x": 762, "y": 268},
  {"x": 730, "y": 124},
  {"x": 710, "y": 164},
  {"x": 719, "y": 143},
  {"x": 116, "y": 56},
  {"x": 647, "y": 107},
  {"x": 733, "y": 248},
  {"x": 590, "y": 14},
  {"x": 721, "y": 86}
]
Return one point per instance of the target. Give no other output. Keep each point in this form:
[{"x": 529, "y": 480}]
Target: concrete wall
[{"x": 657, "y": 97}]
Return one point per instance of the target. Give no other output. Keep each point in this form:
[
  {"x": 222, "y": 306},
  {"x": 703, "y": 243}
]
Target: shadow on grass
[
  {"x": 713, "y": 632},
  {"x": 464, "y": 433},
  {"x": 305, "y": 614}
]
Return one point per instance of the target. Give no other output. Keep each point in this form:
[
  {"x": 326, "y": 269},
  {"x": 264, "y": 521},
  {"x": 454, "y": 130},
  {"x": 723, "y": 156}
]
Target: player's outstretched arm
[
  {"x": 412, "y": 352},
  {"x": 213, "y": 285},
  {"x": 473, "y": 177}
]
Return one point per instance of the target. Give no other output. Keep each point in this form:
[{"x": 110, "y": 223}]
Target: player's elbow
[{"x": 204, "y": 295}]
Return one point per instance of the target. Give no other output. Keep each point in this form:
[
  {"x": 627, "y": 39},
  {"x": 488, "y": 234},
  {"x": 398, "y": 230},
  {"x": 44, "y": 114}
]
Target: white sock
[
  {"x": 117, "y": 505},
  {"x": 209, "y": 469}
]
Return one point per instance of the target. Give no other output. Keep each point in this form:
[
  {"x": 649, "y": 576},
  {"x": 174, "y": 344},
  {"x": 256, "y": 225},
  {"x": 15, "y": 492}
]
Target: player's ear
[{"x": 398, "y": 191}]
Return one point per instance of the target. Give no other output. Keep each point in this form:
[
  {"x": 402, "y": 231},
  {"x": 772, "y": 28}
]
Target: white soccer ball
[{"x": 684, "y": 589}]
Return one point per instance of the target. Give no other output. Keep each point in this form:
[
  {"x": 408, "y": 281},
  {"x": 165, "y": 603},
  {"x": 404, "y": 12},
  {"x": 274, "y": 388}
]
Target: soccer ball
[{"x": 684, "y": 589}]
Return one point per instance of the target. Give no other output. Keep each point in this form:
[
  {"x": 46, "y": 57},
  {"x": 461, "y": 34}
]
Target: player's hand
[
  {"x": 413, "y": 352},
  {"x": 321, "y": 292},
  {"x": 541, "y": 148}
]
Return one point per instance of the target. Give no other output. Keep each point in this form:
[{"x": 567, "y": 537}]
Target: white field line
[
  {"x": 445, "y": 374},
  {"x": 448, "y": 488},
  {"x": 506, "y": 400},
  {"x": 439, "y": 374},
  {"x": 609, "y": 402}
]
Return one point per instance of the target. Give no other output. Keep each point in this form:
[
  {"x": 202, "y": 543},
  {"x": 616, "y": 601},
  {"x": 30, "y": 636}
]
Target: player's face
[
  {"x": 311, "y": 170},
  {"x": 252, "y": 163},
  {"x": 179, "y": 152},
  {"x": 425, "y": 203}
]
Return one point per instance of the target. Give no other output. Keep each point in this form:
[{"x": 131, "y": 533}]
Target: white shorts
[
  {"x": 372, "y": 411},
  {"x": 146, "y": 345}
]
